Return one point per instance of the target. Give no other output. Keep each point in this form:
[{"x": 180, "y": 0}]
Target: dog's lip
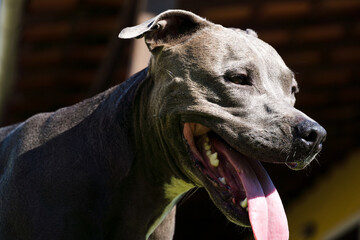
[
  {"x": 221, "y": 192},
  {"x": 304, "y": 160},
  {"x": 300, "y": 165},
  {"x": 248, "y": 177},
  {"x": 296, "y": 165}
]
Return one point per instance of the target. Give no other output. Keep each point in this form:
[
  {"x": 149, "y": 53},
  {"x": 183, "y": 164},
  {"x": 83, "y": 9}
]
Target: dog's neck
[
  {"x": 160, "y": 184},
  {"x": 144, "y": 204}
]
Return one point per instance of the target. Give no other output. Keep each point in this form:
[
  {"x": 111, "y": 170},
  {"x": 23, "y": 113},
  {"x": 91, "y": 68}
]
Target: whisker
[
  {"x": 170, "y": 73},
  {"x": 187, "y": 195}
]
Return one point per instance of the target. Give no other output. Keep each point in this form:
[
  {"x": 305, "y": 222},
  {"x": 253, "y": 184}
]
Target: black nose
[{"x": 311, "y": 134}]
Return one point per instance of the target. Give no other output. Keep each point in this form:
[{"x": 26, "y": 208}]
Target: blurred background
[{"x": 56, "y": 53}]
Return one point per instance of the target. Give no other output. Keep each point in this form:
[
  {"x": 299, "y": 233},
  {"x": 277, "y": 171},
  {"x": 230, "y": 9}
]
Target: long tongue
[{"x": 266, "y": 212}]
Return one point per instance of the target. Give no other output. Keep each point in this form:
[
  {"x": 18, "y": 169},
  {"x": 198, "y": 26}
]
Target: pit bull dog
[{"x": 213, "y": 103}]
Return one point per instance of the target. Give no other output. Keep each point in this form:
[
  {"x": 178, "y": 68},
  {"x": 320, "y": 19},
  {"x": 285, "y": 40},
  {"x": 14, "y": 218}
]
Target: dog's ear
[
  {"x": 251, "y": 32},
  {"x": 166, "y": 29},
  {"x": 247, "y": 31}
]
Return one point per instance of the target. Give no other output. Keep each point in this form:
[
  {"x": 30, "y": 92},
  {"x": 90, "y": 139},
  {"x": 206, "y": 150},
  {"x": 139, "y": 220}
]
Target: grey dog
[{"x": 213, "y": 103}]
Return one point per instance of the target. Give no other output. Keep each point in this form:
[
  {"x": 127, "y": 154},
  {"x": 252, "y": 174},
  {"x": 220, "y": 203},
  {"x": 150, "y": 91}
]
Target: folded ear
[
  {"x": 247, "y": 31},
  {"x": 166, "y": 29}
]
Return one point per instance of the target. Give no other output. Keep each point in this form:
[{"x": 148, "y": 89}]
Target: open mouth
[{"x": 238, "y": 185}]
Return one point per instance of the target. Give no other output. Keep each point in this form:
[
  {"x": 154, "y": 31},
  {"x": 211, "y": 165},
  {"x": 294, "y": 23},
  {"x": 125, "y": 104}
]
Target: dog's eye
[{"x": 241, "y": 79}]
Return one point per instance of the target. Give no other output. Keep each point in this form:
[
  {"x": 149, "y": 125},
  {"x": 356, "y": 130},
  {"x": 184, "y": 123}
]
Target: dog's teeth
[
  {"x": 207, "y": 146},
  {"x": 207, "y": 139},
  {"x": 247, "y": 209},
  {"x": 208, "y": 153},
  {"x": 213, "y": 159},
  {"x": 222, "y": 180},
  {"x": 244, "y": 203},
  {"x": 214, "y": 155},
  {"x": 214, "y": 162}
]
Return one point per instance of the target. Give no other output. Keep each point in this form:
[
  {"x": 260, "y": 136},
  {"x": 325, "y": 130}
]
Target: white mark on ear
[{"x": 251, "y": 32}]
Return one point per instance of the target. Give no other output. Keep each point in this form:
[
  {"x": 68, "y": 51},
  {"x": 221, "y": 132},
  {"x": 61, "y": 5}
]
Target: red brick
[
  {"x": 331, "y": 77},
  {"x": 81, "y": 78},
  {"x": 39, "y": 58},
  {"x": 350, "y": 95},
  {"x": 305, "y": 58},
  {"x": 346, "y": 54},
  {"x": 29, "y": 82},
  {"x": 340, "y": 5},
  {"x": 323, "y": 33},
  {"x": 285, "y": 9},
  {"x": 106, "y": 3},
  {"x": 89, "y": 53},
  {"x": 341, "y": 112},
  {"x": 231, "y": 13},
  {"x": 47, "y": 31},
  {"x": 99, "y": 25},
  {"x": 356, "y": 30},
  {"x": 48, "y": 101},
  {"x": 306, "y": 99},
  {"x": 275, "y": 36},
  {"x": 52, "y": 6}
]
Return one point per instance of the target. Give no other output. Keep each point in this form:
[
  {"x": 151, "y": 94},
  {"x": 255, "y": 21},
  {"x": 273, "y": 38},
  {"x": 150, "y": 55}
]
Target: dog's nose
[{"x": 312, "y": 135}]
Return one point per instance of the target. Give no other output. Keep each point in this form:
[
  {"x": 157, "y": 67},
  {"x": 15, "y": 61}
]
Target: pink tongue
[{"x": 266, "y": 212}]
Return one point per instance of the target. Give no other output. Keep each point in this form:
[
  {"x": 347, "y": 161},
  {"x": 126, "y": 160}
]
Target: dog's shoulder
[
  {"x": 40, "y": 128},
  {"x": 5, "y": 131},
  {"x": 37, "y": 130}
]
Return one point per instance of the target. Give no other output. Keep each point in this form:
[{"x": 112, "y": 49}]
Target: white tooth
[
  {"x": 204, "y": 139},
  {"x": 208, "y": 153},
  {"x": 213, "y": 159},
  {"x": 244, "y": 203},
  {"x": 207, "y": 146},
  {"x": 214, "y": 155},
  {"x": 214, "y": 163},
  {"x": 247, "y": 209},
  {"x": 222, "y": 180}
]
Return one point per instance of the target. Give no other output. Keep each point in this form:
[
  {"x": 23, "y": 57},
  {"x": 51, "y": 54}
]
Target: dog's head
[{"x": 225, "y": 101}]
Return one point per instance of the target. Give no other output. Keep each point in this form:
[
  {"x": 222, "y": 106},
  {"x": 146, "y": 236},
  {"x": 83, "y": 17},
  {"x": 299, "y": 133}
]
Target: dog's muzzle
[{"x": 308, "y": 139}]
